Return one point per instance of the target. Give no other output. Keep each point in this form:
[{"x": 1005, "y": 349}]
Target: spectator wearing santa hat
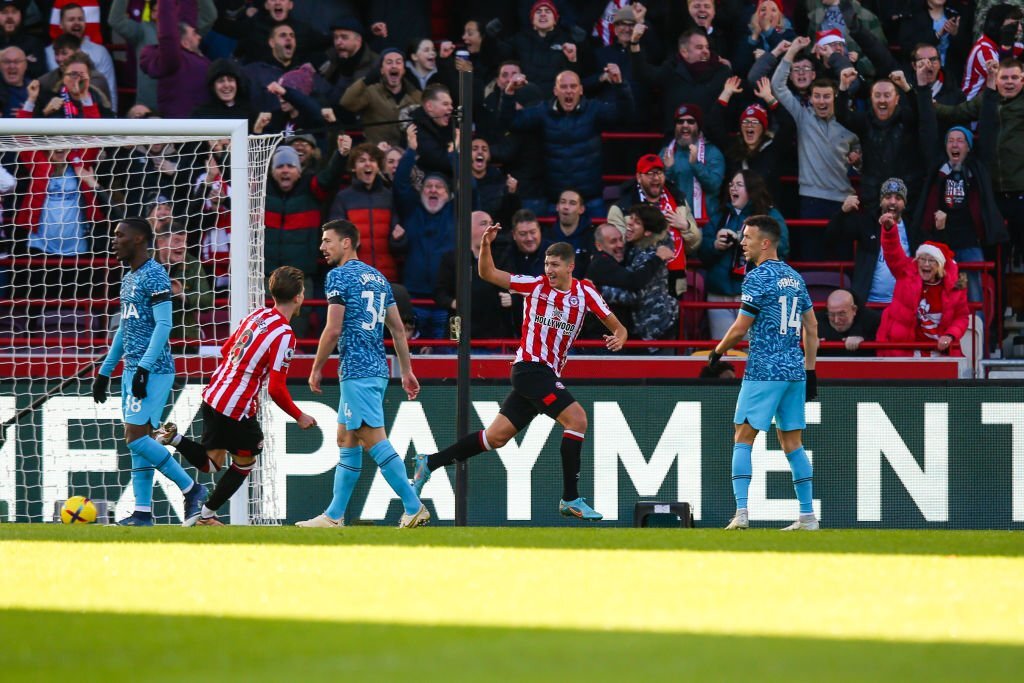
[
  {"x": 826, "y": 15},
  {"x": 929, "y": 303}
]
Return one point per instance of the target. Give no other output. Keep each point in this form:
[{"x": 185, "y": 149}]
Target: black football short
[
  {"x": 239, "y": 437},
  {"x": 535, "y": 390}
]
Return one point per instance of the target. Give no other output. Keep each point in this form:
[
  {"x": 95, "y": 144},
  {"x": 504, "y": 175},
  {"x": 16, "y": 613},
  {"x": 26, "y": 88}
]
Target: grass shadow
[
  {"x": 885, "y": 542},
  {"x": 55, "y": 645}
]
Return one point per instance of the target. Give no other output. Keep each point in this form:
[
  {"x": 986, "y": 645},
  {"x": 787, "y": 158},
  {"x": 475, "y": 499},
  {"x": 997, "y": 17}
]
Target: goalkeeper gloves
[
  {"x": 100, "y": 386},
  {"x": 714, "y": 357},
  {"x": 139, "y": 382},
  {"x": 812, "y": 385}
]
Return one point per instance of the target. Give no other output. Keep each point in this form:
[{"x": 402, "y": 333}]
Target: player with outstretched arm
[
  {"x": 261, "y": 346},
  {"x": 359, "y": 304},
  {"x": 776, "y": 309},
  {"x": 556, "y": 304},
  {"x": 142, "y": 340}
]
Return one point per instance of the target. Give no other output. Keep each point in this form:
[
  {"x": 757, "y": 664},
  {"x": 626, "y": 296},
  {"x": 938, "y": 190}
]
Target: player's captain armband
[
  {"x": 160, "y": 297},
  {"x": 747, "y": 305},
  {"x": 334, "y": 297}
]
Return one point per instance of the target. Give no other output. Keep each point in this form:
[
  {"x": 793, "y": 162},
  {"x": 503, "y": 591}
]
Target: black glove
[
  {"x": 139, "y": 382},
  {"x": 100, "y": 387},
  {"x": 714, "y": 357},
  {"x": 372, "y": 77},
  {"x": 812, "y": 385}
]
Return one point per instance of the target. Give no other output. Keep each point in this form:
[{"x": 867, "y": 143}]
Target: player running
[
  {"x": 776, "y": 309},
  {"x": 261, "y": 346},
  {"x": 553, "y": 314},
  {"x": 142, "y": 341},
  {"x": 360, "y": 304}
]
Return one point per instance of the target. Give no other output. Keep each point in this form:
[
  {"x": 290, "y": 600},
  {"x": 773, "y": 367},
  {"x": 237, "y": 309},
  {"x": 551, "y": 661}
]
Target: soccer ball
[{"x": 78, "y": 510}]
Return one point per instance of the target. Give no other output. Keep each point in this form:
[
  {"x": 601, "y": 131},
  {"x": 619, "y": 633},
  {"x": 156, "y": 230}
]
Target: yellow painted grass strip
[{"x": 902, "y": 598}]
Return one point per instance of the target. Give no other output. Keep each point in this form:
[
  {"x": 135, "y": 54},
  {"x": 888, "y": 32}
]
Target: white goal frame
[{"x": 120, "y": 132}]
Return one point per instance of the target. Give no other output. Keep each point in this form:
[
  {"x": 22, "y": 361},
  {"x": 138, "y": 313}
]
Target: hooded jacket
[{"x": 214, "y": 108}]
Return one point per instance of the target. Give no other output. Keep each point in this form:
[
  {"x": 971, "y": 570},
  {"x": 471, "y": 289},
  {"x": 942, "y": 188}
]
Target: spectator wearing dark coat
[
  {"x": 609, "y": 274},
  {"x": 229, "y": 94},
  {"x": 572, "y": 225},
  {"x": 873, "y": 282},
  {"x": 427, "y": 218},
  {"x": 959, "y": 207},
  {"x": 252, "y": 32},
  {"x": 891, "y": 132},
  {"x": 623, "y": 25},
  {"x": 952, "y": 38},
  {"x": 545, "y": 49},
  {"x": 13, "y": 34},
  {"x": 692, "y": 75},
  {"x": 844, "y": 321},
  {"x": 571, "y": 131},
  {"x": 348, "y": 59},
  {"x": 283, "y": 58},
  {"x": 490, "y": 308},
  {"x": 494, "y": 191},
  {"x": 14, "y": 82},
  {"x": 177, "y": 64},
  {"x": 369, "y": 204},
  {"x": 434, "y": 131}
]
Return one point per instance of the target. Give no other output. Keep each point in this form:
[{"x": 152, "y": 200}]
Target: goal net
[{"x": 65, "y": 185}]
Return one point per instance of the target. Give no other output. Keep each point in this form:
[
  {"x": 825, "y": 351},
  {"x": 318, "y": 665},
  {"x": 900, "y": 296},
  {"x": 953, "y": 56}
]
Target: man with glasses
[
  {"x": 695, "y": 165},
  {"x": 13, "y": 88},
  {"x": 846, "y": 322},
  {"x": 653, "y": 187},
  {"x": 13, "y": 34},
  {"x": 925, "y": 60}
]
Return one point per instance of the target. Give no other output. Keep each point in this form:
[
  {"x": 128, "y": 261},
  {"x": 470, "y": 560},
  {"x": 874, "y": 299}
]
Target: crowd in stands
[{"x": 886, "y": 133}]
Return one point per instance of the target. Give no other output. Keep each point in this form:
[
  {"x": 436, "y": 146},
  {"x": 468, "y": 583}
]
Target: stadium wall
[{"x": 922, "y": 455}]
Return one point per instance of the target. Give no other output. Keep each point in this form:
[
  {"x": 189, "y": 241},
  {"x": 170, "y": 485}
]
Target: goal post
[{"x": 40, "y": 457}]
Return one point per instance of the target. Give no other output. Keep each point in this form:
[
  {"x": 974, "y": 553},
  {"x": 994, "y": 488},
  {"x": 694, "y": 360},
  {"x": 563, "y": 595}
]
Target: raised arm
[{"x": 488, "y": 271}]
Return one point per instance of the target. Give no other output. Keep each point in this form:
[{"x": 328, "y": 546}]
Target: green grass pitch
[{"x": 369, "y": 603}]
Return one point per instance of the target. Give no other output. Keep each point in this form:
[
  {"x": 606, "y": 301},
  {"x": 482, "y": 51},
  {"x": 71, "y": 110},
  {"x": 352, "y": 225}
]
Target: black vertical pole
[{"x": 463, "y": 283}]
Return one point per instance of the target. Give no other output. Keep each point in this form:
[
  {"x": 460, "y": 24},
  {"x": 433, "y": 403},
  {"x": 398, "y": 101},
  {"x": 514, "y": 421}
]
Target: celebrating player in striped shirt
[
  {"x": 556, "y": 304},
  {"x": 261, "y": 346}
]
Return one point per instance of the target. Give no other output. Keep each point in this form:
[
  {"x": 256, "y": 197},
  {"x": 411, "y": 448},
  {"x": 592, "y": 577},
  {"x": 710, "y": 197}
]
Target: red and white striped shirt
[
  {"x": 91, "y": 9},
  {"x": 984, "y": 51},
  {"x": 552, "y": 319},
  {"x": 263, "y": 343}
]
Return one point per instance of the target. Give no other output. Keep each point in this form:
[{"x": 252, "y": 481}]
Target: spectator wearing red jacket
[
  {"x": 929, "y": 303},
  {"x": 368, "y": 203}
]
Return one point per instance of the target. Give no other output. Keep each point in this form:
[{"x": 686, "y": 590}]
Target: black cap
[{"x": 348, "y": 23}]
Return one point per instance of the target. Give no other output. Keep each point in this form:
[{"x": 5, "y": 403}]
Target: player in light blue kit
[
  {"x": 360, "y": 304},
  {"x": 142, "y": 340},
  {"x": 776, "y": 309}
]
